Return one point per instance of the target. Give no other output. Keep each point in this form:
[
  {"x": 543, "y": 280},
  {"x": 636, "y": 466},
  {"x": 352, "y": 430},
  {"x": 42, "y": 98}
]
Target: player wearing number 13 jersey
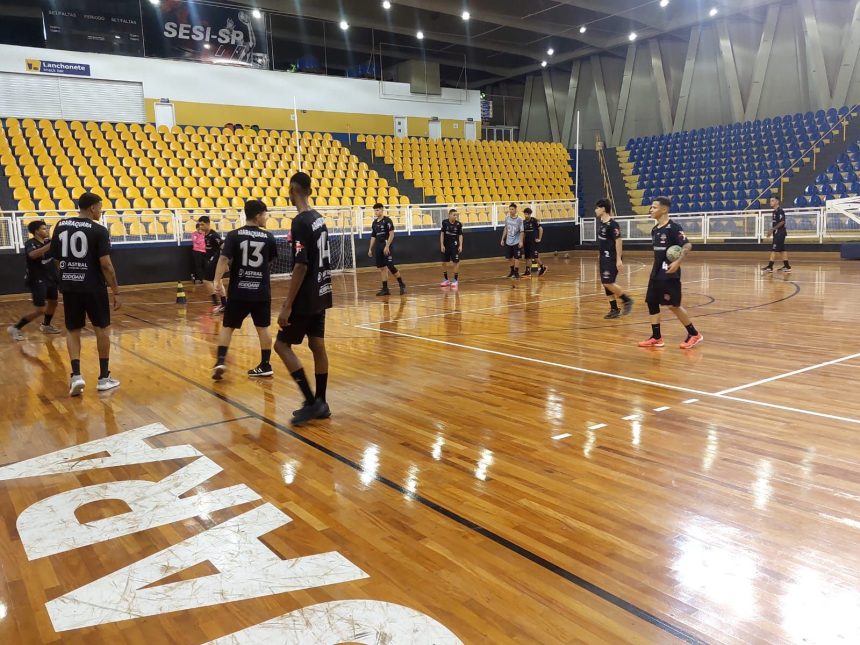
[
  {"x": 247, "y": 252},
  {"x": 310, "y": 294}
]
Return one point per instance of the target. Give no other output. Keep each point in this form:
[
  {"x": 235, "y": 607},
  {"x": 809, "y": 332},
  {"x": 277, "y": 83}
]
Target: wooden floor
[{"x": 501, "y": 461}]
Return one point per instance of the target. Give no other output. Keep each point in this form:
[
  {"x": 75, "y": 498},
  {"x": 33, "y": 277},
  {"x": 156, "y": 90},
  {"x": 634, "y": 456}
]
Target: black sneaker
[
  {"x": 628, "y": 306},
  {"x": 383, "y": 292},
  {"x": 403, "y": 289},
  {"x": 316, "y": 410},
  {"x": 767, "y": 269},
  {"x": 218, "y": 371},
  {"x": 527, "y": 273},
  {"x": 263, "y": 369},
  {"x": 784, "y": 269},
  {"x": 613, "y": 313},
  {"x": 542, "y": 270}
]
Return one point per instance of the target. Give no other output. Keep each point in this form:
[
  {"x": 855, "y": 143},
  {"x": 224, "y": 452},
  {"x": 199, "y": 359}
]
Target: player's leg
[
  {"x": 383, "y": 276},
  {"x": 769, "y": 267},
  {"x": 653, "y": 299},
  {"x": 786, "y": 267},
  {"x": 261, "y": 314},
  {"x": 98, "y": 311},
  {"x": 318, "y": 408},
  {"x": 674, "y": 293},
  {"x": 542, "y": 268},
  {"x": 50, "y": 309},
  {"x": 293, "y": 334},
  {"x": 516, "y": 261},
  {"x": 445, "y": 261},
  {"x": 39, "y": 293},
  {"x": 234, "y": 315},
  {"x": 455, "y": 283},
  {"x": 392, "y": 269},
  {"x": 75, "y": 320}
]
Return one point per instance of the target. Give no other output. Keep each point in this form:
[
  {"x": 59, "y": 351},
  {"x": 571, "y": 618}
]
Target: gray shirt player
[{"x": 514, "y": 229}]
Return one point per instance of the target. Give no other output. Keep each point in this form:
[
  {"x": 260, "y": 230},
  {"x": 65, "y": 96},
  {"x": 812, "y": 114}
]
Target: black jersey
[
  {"x": 531, "y": 228},
  {"x": 381, "y": 229},
  {"x": 778, "y": 217},
  {"x": 662, "y": 238},
  {"x": 213, "y": 244},
  {"x": 41, "y": 269},
  {"x": 452, "y": 233},
  {"x": 250, "y": 249},
  {"x": 309, "y": 237},
  {"x": 607, "y": 234},
  {"x": 78, "y": 244}
]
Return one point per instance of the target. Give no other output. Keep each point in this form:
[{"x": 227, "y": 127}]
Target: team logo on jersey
[
  {"x": 663, "y": 238},
  {"x": 62, "y": 264},
  {"x": 299, "y": 246},
  {"x": 241, "y": 273}
]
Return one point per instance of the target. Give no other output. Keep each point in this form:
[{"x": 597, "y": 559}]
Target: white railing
[
  {"x": 828, "y": 224},
  {"x": 175, "y": 226}
]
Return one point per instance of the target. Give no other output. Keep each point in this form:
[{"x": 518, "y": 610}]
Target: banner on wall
[
  {"x": 193, "y": 31},
  {"x": 53, "y": 67},
  {"x": 100, "y": 26}
]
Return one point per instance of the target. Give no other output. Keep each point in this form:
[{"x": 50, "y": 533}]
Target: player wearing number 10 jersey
[
  {"x": 82, "y": 247},
  {"x": 247, "y": 252},
  {"x": 303, "y": 312}
]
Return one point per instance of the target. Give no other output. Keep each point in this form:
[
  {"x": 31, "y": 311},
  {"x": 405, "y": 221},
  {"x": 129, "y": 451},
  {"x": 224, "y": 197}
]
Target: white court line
[
  {"x": 787, "y": 374},
  {"x": 563, "y": 435},
  {"x": 662, "y": 409},
  {"x": 597, "y": 426},
  {"x": 629, "y": 379},
  {"x": 689, "y": 401},
  {"x": 632, "y": 417}
]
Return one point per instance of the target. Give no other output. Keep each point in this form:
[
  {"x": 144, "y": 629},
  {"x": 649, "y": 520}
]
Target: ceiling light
[
  {"x": 664, "y": 3},
  {"x": 466, "y": 15},
  {"x": 582, "y": 29},
  {"x": 344, "y": 25},
  {"x": 713, "y": 12},
  {"x": 386, "y": 5},
  {"x": 207, "y": 46},
  {"x": 550, "y": 51},
  {"x": 543, "y": 63},
  {"x": 257, "y": 14},
  {"x": 420, "y": 35},
  {"x": 632, "y": 36},
  {"x": 155, "y": 2}
]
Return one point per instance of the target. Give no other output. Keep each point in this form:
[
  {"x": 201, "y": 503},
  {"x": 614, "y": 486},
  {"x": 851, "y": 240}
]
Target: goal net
[{"x": 341, "y": 240}]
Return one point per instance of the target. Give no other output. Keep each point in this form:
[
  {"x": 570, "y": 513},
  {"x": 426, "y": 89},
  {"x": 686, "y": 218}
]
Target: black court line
[{"x": 584, "y": 584}]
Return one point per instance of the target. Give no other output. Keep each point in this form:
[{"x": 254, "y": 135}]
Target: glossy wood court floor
[{"x": 502, "y": 465}]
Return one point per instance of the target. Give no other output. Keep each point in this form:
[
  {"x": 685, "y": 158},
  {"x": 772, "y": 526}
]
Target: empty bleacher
[
  {"x": 727, "y": 167},
  {"x": 156, "y": 171},
  {"x": 841, "y": 179},
  {"x": 455, "y": 171}
]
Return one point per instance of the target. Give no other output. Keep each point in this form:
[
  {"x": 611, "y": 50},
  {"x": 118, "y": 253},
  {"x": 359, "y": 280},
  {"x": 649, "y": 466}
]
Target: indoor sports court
[{"x": 464, "y": 259}]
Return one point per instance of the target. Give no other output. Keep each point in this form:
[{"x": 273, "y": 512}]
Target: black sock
[
  {"x": 322, "y": 383},
  {"x": 104, "y": 367},
  {"x": 222, "y": 355},
  {"x": 613, "y": 305},
  {"x": 48, "y": 319},
  {"x": 223, "y": 301},
  {"x": 770, "y": 264},
  {"x": 265, "y": 356},
  {"x": 400, "y": 280},
  {"x": 625, "y": 297},
  {"x": 785, "y": 264},
  {"x": 20, "y": 324},
  {"x": 214, "y": 299},
  {"x": 302, "y": 381},
  {"x": 385, "y": 285},
  {"x": 76, "y": 366},
  {"x": 456, "y": 277},
  {"x": 445, "y": 273},
  {"x": 691, "y": 329},
  {"x": 655, "y": 331}
]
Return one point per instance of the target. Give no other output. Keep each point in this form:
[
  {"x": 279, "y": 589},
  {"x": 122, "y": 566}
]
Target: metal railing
[
  {"x": 175, "y": 226},
  {"x": 831, "y": 223}
]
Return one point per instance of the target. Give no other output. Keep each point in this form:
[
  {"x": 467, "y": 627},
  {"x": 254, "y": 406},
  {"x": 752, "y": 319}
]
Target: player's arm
[
  {"x": 372, "y": 245},
  {"x": 223, "y": 263},
  {"x": 110, "y": 277},
  {"x": 41, "y": 252},
  {"x": 522, "y": 235},
  {"x": 540, "y": 233},
  {"x": 685, "y": 251},
  {"x": 301, "y": 239},
  {"x": 780, "y": 224},
  {"x": 387, "y": 249},
  {"x": 460, "y": 247},
  {"x": 504, "y": 234},
  {"x": 619, "y": 248},
  {"x": 442, "y": 241}
]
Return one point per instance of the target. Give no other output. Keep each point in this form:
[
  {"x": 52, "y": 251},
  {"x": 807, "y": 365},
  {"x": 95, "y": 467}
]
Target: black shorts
[
  {"x": 451, "y": 254},
  {"x": 42, "y": 291},
  {"x": 301, "y": 325},
  {"x": 209, "y": 272},
  {"x": 530, "y": 250},
  {"x": 78, "y": 306},
  {"x": 608, "y": 271},
  {"x": 199, "y": 263},
  {"x": 383, "y": 261},
  {"x": 513, "y": 252},
  {"x": 779, "y": 242},
  {"x": 664, "y": 292},
  {"x": 237, "y": 310}
]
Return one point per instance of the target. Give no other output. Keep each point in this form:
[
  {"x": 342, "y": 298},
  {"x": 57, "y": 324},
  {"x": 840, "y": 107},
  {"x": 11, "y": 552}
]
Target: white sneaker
[
  {"x": 218, "y": 371},
  {"x": 15, "y": 333},
  {"x": 108, "y": 383},
  {"x": 49, "y": 329},
  {"x": 76, "y": 385}
]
